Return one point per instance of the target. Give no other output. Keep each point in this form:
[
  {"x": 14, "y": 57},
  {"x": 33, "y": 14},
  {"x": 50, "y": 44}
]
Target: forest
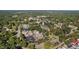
[{"x": 39, "y": 29}]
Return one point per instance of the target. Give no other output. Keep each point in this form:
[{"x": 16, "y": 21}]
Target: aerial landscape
[{"x": 39, "y": 29}]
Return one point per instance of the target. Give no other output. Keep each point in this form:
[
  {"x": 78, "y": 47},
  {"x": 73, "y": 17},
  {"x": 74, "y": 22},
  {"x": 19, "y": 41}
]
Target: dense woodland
[{"x": 38, "y": 30}]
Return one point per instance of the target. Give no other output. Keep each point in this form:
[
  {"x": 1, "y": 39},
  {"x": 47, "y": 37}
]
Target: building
[
  {"x": 25, "y": 26},
  {"x": 39, "y": 46},
  {"x": 37, "y": 35},
  {"x": 74, "y": 44}
]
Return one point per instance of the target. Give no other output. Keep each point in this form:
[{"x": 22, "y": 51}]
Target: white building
[
  {"x": 39, "y": 46},
  {"x": 59, "y": 25},
  {"x": 37, "y": 35},
  {"x": 25, "y": 26}
]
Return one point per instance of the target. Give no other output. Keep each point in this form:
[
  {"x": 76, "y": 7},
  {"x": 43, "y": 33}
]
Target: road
[{"x": 60, "y": 44}]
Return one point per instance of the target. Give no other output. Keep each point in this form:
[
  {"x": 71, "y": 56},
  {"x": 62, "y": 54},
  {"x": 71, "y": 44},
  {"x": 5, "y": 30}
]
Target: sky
[{"x": 39, "y": 4}]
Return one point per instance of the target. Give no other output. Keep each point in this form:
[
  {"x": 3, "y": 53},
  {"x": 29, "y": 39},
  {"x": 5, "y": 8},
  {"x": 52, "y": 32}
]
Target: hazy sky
[{"x": 39, "y": 4}]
